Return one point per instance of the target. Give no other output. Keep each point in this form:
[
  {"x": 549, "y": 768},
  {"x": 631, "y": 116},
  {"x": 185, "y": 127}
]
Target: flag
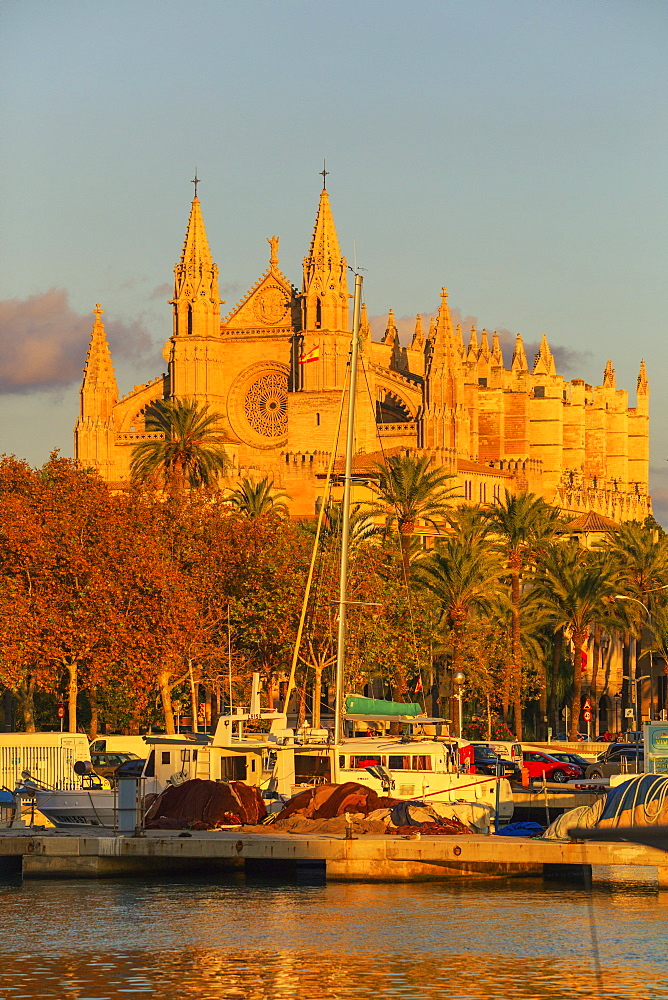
[
  {"x": 418, "y": 686},
  {"x": 313, "y": 355}
]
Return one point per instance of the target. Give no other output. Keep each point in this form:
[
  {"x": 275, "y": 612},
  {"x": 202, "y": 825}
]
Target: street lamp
[{"x": 459, "y": 679}]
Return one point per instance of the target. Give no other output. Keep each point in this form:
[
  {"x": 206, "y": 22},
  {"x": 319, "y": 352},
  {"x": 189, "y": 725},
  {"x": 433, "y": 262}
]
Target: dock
[{"x": 371, "y": 857}]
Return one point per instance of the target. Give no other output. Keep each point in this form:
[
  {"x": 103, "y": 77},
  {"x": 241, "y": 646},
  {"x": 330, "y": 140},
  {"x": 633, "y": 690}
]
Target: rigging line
[
  {"x": 316, "y": 541},
  {"x": 403, "y": 571}
]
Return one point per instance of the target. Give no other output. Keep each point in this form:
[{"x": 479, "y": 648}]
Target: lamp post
[{"x": 459, "y": 678}]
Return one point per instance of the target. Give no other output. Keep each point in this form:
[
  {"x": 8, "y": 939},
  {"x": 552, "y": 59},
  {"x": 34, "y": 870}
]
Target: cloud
[
  {"x": 567, "y": 361},
  {"x": 43, "y": 342},
  {"x": 163, "y": 292}
]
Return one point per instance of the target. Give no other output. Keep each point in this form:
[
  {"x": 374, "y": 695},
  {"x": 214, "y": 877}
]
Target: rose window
[{"x": 266, "y": 405}]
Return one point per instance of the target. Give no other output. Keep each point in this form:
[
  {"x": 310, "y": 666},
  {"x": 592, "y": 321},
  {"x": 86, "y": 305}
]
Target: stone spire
[
  {"x": 325, "y": 282},
  {"x": 459, "y": 340},
  {"x": 519, "y": 363},
  {"x": 609, "y": 377},
  {"x": 365, "y": 326},
  {"x": 391, "y": 335},
  {"x": 544, "y": 363},
  {"x": 484, "y": 345},
  {"x": 643, "y": 384},
  {"x": 99, "y": 389},
  {"x": 417, "y": 343},
  {"x": 196, "y": 299},
  {"x": 472, "y": 353},
  {"x": 497, "y": 353},
  {"x": 443, "y": 332}
]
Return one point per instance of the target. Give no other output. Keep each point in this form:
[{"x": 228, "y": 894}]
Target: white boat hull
[{"x": 81, "y": 809}]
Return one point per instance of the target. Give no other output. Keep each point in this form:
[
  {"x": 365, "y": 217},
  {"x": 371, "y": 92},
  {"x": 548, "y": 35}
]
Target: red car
[{"x": 538, "y": 764}]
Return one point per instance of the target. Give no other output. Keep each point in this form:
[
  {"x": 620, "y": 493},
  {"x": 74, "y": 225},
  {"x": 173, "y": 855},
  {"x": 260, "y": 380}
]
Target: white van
[
  {"x": 49, "y": 757},
  {"x": 121, "y": 744}
]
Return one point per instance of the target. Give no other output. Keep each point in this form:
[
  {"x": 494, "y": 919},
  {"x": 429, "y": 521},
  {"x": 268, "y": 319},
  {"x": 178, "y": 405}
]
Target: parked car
[
  {"x": 130, "y": 769},
  {"x": 539, "y": 763},
  {"x": 105, "y": 764},
  {"x": 565, "y": 738},
  {"x": 619, "y": 758},
  {"x": 486, "y": 762},
  {"x": 568, "y": 757}
]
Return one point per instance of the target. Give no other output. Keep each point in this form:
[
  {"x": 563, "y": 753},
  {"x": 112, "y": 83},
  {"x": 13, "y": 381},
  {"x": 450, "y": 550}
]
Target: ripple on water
[{"x": 204, "y": 941}]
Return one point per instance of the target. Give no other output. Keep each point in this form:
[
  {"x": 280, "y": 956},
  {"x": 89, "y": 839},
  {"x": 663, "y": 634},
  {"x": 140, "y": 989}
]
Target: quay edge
[{"x": 368, "y": 858}]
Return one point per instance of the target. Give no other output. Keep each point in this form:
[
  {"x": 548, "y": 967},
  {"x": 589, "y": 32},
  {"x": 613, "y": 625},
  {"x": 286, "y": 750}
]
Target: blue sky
[{"x": 513, "y": 151}]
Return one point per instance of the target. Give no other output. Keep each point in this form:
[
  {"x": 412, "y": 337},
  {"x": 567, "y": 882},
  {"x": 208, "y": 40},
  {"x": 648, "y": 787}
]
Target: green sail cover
[{"x": 357, "y": 705}]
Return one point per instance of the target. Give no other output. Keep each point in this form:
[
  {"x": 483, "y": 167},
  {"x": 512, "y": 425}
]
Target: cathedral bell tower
[
  {"x": 94, "y": 434},
  {"x": 196, "y": 307},
  {"x": 325, "y": 306}
]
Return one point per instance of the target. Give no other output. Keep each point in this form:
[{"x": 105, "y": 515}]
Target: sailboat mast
[{"x": 345, "y": 513}]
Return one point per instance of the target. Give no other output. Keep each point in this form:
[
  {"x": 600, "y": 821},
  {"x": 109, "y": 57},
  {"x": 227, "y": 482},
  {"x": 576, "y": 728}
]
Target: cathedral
[{"x": 275, "y": 366}]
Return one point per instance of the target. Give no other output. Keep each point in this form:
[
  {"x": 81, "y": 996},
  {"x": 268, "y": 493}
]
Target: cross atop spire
[
  {"x": 324, "y": 173},
  {"x": 195, "y": 181}
]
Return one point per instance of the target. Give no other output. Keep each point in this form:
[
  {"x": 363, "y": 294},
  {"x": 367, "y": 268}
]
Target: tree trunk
[
  {"x": 557, "y": 650},
  {"x": 165, "y": 688},
  {"x": 94, "y": 711},
  {"x": 193, "y": 696},
  {"x": 543, "y": 699},
  {"x": 576, "y": 706},
  {"x": 7, "y": 704},
  {"x": 593, "y": 691},
  {"x": 72, "y": 692},
  {"x": 301, "y": 717},
  {"x": 25, "y": 696},
  {"x": 317, "y": 694},
  {"x": 627, "y": 688},
  {"x": 405, "y": 535},
  {"x": 515, "y": 568}
]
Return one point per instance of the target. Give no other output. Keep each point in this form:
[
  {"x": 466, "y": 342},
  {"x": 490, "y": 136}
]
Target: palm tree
[
  {"x": 409, "y": 491},
  {"x": 253, "y": 498},
  {"x": 523, "y": 524},
  {"x": 463, "y": 577},
  {"x": 189, "y": 449},
  {"x": 642, "y": 558},
  {"x": 578, "y": 589}
]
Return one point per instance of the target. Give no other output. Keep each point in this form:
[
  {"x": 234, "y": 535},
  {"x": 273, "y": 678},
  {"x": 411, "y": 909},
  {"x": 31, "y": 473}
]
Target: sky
[{"x": 513, "y": 150}]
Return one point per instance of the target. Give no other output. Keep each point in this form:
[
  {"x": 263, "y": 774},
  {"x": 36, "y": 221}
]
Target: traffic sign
[
  {"x": 587, "y": 715},
  {"x": 61, "y": 711}
]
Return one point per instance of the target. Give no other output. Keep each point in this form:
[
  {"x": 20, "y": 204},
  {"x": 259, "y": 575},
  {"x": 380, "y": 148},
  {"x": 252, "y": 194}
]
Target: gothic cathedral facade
[{"x": 275, "y": 367}]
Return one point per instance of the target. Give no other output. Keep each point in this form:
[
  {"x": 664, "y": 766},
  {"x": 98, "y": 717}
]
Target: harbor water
[{"x": 259, "y": 939}]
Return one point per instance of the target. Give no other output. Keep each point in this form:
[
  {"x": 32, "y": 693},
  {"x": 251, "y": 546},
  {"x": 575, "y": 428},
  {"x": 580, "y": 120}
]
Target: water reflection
[{"x": 203, "y": 941}]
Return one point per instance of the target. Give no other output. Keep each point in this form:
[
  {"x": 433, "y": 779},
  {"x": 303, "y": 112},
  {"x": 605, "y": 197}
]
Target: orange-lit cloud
[{"x": 43, "y": 342}]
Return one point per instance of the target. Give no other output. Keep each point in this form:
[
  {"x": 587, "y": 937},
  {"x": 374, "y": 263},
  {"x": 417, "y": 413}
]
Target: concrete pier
[{"x": 368, "y": 858}]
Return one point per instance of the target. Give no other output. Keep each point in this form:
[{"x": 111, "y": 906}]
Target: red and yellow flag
[{"x": 313, "y": 355}]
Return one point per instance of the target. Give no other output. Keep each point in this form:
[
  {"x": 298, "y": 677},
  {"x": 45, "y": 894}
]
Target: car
[
  {"x": 619, "y": 758},
  {"x": 540, "y": 764},
  {"x": 565, "y": 738},
  {"x": 568, "y": 757},
  {"x": 487, "y": 761},
  {"x": 105, "y": 764},
  {"x": 130, "y": 769}
]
